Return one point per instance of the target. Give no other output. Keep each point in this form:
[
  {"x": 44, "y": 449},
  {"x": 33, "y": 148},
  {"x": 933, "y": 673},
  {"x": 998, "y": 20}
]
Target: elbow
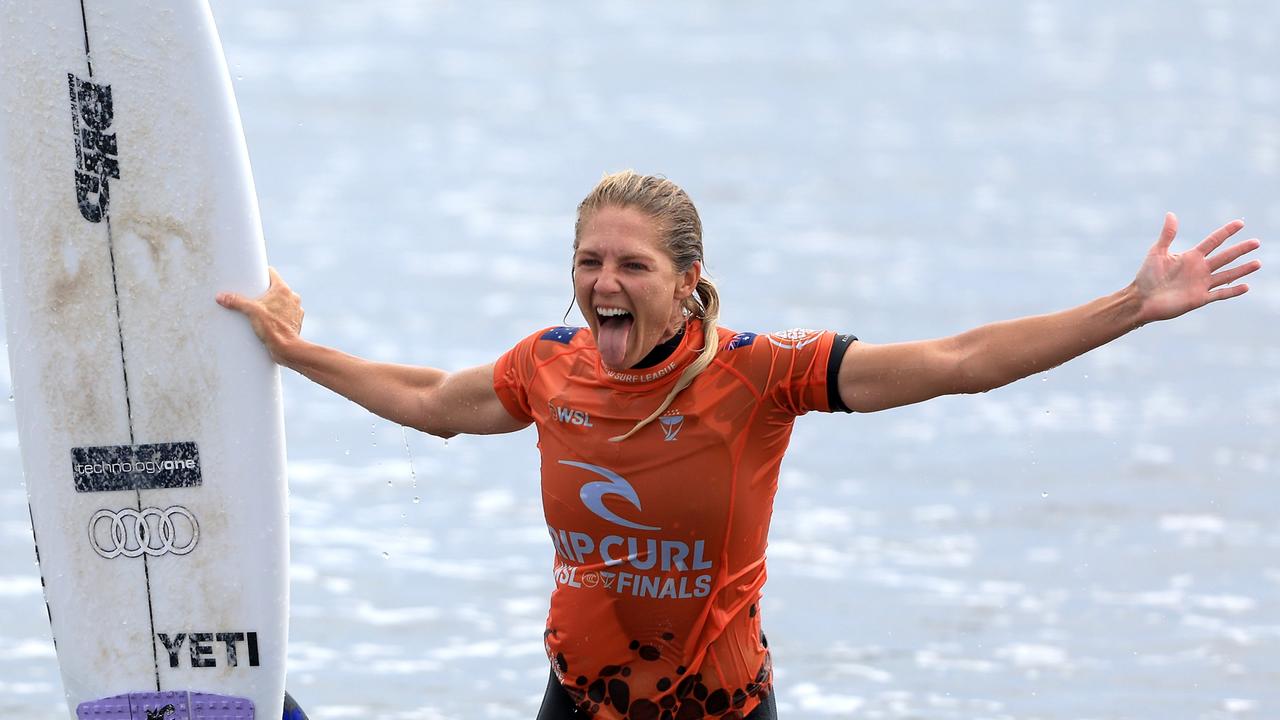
[
  {"x": 439, "y": 431},
  {"x": 973, "y": 376}
]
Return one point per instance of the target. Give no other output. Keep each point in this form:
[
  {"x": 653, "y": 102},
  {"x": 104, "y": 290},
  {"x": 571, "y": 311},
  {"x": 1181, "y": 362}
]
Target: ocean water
[{"x": 1099, "y": 541}]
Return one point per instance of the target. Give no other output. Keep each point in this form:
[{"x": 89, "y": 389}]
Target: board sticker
[{"x": 136, "y": 467}]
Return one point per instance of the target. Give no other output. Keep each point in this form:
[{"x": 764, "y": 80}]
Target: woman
[{"x": 661, "y": 436}]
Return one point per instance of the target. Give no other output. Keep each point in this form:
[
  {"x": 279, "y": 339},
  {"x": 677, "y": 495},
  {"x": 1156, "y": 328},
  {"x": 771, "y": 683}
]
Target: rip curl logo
[
  {"x": 97, "y": 161},
  {"x": 593, "y": 494},
  {"x": 671, "y": 423}
]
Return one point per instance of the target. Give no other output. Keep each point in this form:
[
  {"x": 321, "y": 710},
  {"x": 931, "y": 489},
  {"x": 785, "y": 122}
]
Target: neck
[{"x": 662, "y": 351}]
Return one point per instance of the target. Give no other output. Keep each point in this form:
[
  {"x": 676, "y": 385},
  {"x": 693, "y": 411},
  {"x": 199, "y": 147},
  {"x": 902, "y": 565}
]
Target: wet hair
[{"x": 680, "y": 230}]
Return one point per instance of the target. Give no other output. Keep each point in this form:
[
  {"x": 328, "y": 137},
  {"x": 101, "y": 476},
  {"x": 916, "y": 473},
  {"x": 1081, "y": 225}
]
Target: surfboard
[{"x": 149, "y": 418}]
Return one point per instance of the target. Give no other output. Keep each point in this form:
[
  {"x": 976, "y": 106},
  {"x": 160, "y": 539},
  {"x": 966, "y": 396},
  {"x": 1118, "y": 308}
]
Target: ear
[{"x": 689, "y": 281}]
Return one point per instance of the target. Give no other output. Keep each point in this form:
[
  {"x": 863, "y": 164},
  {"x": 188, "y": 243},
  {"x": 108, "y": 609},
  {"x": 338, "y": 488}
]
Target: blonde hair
[{"x": 680, "y": 229}]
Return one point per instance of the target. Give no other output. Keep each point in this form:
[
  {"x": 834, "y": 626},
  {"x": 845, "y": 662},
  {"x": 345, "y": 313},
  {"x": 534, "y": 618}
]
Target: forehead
[{"x": 615, "y": 229}]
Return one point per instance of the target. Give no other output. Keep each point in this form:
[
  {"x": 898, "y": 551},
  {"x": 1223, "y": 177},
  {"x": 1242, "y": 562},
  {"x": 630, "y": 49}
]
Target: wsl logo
[
  {"x": 97, "y": 161},
  {"x": 569, "y": 416}
]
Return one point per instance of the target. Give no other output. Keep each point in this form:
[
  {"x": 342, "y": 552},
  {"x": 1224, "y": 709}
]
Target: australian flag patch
[
  {"x": 742, "y": 339},
  {"x": 560, "y": 334}
]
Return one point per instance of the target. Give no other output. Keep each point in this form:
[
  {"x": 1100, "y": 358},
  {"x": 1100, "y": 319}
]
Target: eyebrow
[{"x": 624, "y": 258}]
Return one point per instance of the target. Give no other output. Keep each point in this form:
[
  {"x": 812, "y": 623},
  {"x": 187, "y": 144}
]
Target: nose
[{"x": 607, "y": 280}]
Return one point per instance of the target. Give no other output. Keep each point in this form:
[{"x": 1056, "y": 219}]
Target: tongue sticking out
[{"x": 612, "y": 340}]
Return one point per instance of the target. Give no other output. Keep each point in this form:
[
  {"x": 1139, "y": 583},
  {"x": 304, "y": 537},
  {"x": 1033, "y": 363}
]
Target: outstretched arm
[
  {"x": 877, "y": 377},
  {"x": 430, "y": 400}
]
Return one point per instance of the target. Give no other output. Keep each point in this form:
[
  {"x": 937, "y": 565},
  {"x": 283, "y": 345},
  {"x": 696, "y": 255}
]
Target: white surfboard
[{"x": 149, "y": 418}]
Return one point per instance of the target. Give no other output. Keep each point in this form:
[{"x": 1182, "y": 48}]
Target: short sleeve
[
  {"x": 511, "y": 375},
  {"x": 805, "y": 369}
]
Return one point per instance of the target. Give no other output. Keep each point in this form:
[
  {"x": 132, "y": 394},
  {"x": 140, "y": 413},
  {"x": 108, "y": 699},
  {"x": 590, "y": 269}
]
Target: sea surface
[{"x": 1098, "y": 541}]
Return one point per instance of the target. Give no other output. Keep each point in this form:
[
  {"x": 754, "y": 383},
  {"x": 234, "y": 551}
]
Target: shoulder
[
  {"x": 750, "y": 343},
  {"x": 548, "y": 344},
  {"x": 562, "y": 335},
  {"x": 544, "y": 343}
]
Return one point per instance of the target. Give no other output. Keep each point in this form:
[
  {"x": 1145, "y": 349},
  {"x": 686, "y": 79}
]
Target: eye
[
  {"x": 638, "y": 266},
  {"x": 588, "y": 262}
]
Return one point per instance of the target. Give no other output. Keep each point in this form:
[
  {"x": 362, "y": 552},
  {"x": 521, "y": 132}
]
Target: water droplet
[
  {"x": 1044, "y": 494},
  {"x": 385, "y": 554},
  {"x": 416, "y": 500}
]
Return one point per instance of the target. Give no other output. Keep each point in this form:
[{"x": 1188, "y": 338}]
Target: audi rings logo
[{"x": 152, "y": 531}]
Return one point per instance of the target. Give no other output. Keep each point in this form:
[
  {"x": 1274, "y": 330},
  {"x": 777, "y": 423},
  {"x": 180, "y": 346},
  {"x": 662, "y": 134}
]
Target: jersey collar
[{"x": 665, "y": 371}]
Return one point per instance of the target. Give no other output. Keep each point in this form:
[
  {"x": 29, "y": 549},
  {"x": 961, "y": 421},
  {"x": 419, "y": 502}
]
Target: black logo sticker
[
  {"x": 200, "y": 648},
  {"x": 161, "y": 713},
  {"x": 136, "y": 467},
  {"x": 97, "y": 161}
]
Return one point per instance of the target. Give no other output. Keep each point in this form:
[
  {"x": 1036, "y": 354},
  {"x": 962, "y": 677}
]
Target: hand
[
  {"x": 1171, "y": 284},
  {"x": 276, "y": 316}
]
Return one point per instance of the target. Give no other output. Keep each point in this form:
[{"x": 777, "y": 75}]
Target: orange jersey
[{"x": 660, "y": 539}]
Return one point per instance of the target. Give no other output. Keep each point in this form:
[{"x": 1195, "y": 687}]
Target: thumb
[
  {"x": 1167, "y": 233},
  {"x": 232, "y": 301}
]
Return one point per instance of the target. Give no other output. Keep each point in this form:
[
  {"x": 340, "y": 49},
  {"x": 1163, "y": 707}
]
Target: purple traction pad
[{"x": 176, "y": 705}]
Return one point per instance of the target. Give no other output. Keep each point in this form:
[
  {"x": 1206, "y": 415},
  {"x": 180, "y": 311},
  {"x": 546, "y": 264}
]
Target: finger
[
  {"x": 232, "y": 301},
  {"x": 1229, "y": 276},
  {"x": 1167, "y": 233},
  {"x": 1219, "y": 236},
  {"x": 1233, "y": 253},
  {"x": 1227, "y": 292}
]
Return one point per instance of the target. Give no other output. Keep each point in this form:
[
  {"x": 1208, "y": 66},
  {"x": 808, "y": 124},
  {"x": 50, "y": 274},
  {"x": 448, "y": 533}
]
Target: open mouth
[
  {"x": 613, "y": 317},
  {"x": 615, "y": 328}
]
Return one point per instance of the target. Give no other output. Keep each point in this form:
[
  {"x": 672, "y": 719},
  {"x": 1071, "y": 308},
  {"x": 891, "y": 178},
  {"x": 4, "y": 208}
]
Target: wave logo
[{"x": 593, "y": 494}]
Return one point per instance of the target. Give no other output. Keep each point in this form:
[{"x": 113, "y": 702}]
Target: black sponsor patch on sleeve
[
  {"x": 838, "y": 348},
  {"x": 136, "y": 467}
]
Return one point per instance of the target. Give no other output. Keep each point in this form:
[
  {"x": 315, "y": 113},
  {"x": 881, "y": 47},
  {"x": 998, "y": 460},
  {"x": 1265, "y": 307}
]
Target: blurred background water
[{"x": 1100, "y": 541}]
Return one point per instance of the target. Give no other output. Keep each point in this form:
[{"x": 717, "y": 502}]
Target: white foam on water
[
  {"x": 813, "y": 699},
  {"x": 27, "y": 649},
  {"x": 18, "y": 585},
  {"x": 25, "y": 688},
  {"x": 395, "y": 617},
  {"x": 863, "y": 672},
  {"x": 1211, "y": 524},
  {"x": 1234, "y": 604},
  {"x": 1030, "y": 655},
  {"x": 1239, "y": 705},
  {"x": 943, "y": 660}
]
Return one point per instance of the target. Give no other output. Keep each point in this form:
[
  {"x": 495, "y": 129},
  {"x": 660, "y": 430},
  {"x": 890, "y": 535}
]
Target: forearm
[
  {"x": 999, "y": 353},
  {"x": 395, "y": 392}
]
